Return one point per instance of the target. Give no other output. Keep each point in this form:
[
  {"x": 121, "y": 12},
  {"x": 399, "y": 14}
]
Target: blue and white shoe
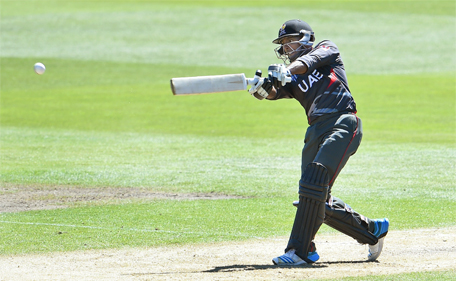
[
  {"x": 290, "y": 258},
  {"x": 380, "y": 231}
]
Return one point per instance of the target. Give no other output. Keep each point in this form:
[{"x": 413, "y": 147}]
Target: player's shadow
[
  {"x": 244, "y": 267},
  {"x": 247, "y": 267},
  {"x": 252, "y": 267}
]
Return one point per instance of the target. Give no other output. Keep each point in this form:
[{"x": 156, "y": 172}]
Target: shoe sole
[
  {"x": 312, "y": 257},
  {"x": 376, "y": 250},
  {"x": 373, "y": 256},
  {"x": 289, "y": 264}
]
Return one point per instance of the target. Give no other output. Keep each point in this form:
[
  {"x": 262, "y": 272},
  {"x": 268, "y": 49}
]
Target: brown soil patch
[
  {"x": 14, "y": 198},
  {"x": 404, "y": 251}
]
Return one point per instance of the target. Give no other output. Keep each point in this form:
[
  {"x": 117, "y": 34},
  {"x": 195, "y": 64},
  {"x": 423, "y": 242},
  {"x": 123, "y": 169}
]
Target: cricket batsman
[{"x": 319, "y": 84}]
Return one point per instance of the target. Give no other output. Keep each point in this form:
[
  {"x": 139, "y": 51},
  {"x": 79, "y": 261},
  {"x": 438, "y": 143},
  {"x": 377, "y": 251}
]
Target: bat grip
[{"x": 255, "y": 79}]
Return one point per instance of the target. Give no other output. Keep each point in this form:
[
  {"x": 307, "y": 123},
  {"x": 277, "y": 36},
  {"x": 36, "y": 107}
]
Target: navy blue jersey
[{"x": 323, "y": 89}]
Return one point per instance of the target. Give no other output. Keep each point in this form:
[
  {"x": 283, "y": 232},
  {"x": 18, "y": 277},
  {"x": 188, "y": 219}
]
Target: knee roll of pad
[{"x": 314, "y": 182}]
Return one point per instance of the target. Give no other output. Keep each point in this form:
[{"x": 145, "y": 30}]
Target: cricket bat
[{"x": 211, "y": 84}]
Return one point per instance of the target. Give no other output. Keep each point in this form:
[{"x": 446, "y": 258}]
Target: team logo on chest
[{"x": 311, "y": 79}]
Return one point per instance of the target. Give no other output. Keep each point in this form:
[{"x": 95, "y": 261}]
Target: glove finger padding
[
  {"x": 267, "y": 85},
  {"x": 274, "y": 81},
  {"x": 279, "y": 75},
  {"x": 273, "y": 71},
  {"x": 261, "y": 89},
  {"x": 257, "y": 96}
]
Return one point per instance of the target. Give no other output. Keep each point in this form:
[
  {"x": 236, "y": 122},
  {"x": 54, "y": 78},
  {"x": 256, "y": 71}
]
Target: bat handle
[{"x": 255, "y": 79}]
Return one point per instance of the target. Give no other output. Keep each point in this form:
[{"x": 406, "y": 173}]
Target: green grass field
[{"x": 103, "y": 115}]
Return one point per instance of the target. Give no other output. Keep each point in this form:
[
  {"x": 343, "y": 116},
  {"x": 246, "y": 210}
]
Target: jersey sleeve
[{"x": 325, "y": 53}]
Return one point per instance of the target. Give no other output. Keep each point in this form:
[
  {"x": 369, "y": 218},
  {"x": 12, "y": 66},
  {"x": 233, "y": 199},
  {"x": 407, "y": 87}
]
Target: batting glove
[
  {"x": 279, "y": 75},
  {"x": 262, "y": 89}
]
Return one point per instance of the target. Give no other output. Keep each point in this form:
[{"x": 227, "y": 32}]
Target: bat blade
[{"x": 208, "y": 84}]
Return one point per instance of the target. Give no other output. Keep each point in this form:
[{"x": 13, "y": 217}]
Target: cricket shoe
[
  {"x": 380, "y": 231},
  {"x": 290, "y": 258}
]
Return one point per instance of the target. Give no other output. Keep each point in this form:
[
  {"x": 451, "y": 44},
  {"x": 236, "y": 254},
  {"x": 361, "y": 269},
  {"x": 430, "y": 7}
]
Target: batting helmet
[{"x": 295, "y": 28}]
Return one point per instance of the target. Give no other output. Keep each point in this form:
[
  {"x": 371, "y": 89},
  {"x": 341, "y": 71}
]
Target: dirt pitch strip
[{"x": 404, "y": 251}]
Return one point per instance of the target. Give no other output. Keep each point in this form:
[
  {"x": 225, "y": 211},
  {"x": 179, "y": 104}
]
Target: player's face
[
  {"x": 291, "y": 48},
  {"x": 290, "y": 44}
]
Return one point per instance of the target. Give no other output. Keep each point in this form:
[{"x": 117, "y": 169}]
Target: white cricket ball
[{"x": 39, "y": 68}]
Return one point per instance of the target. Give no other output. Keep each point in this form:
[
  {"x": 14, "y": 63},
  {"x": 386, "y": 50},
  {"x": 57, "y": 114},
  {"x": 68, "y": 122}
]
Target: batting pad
[{"x": 313, "y": 190}]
